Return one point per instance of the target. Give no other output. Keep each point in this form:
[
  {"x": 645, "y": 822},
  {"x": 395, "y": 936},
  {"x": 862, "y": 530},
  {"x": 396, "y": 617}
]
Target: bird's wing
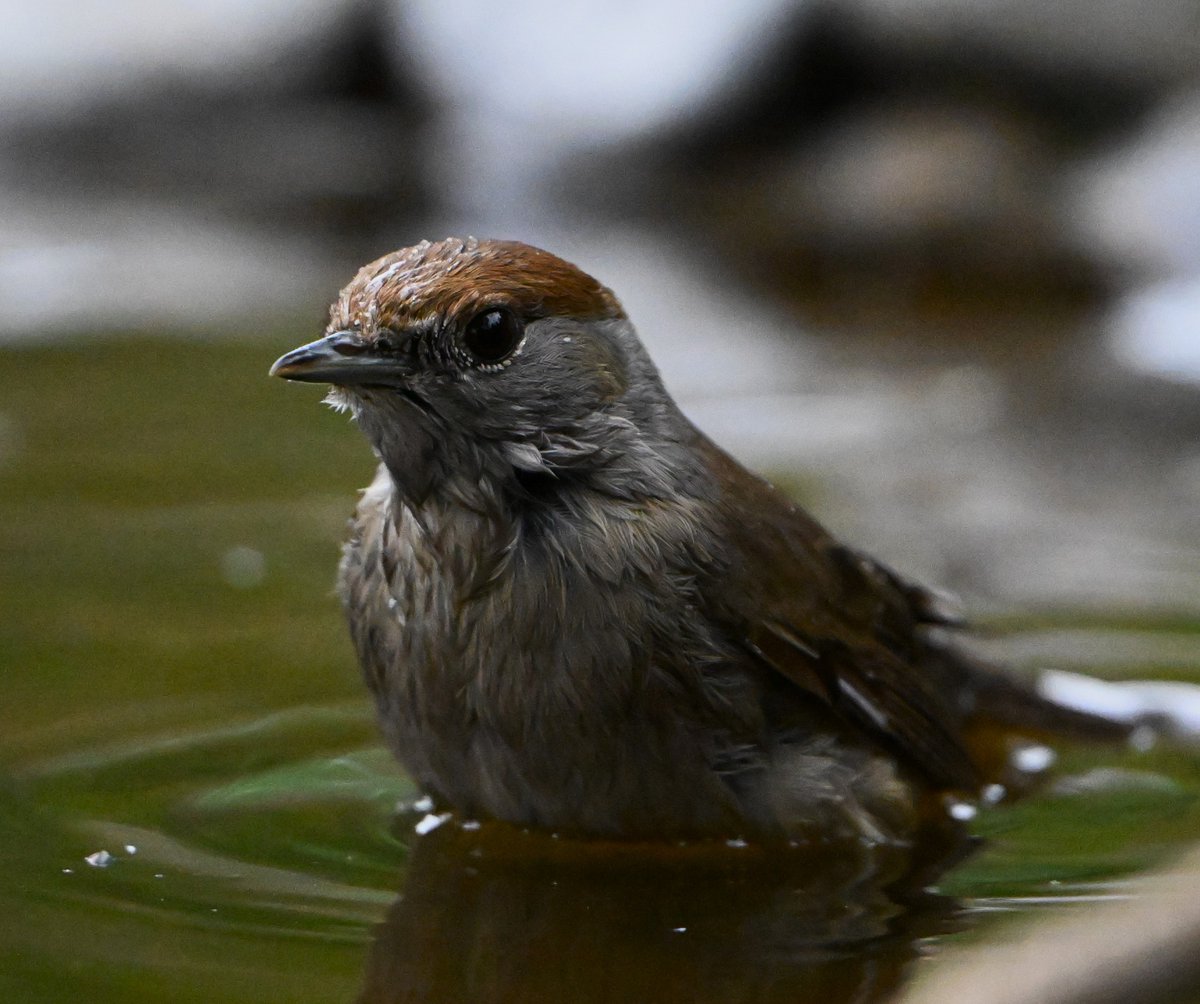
[{"x": 836, "y": 623}]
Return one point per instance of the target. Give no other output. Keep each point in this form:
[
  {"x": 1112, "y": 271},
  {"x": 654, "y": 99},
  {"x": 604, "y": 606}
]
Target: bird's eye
[{"x": 492, "y": 335}]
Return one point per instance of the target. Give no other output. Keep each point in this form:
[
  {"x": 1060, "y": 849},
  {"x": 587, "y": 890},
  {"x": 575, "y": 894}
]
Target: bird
[{"x": 577, "y": 613}]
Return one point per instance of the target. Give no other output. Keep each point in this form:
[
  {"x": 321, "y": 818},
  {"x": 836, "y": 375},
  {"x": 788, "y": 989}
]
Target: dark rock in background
[{"x": 199, "y": 184}]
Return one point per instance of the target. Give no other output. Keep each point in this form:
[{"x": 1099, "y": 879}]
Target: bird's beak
[{"x": 340, "y": 358}]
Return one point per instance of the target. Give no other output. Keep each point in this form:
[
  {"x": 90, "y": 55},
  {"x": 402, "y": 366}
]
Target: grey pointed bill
[{"x": 339, "y": 358}]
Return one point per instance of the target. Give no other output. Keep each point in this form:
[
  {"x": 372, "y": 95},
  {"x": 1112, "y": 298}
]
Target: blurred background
[
  {"x": 934, "y": 265},
  {"x": 998, "y": 198}
]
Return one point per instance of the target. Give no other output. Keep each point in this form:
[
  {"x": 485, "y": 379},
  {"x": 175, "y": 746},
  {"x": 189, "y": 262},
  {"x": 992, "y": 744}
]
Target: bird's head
[{"x": 495, "y": 360}]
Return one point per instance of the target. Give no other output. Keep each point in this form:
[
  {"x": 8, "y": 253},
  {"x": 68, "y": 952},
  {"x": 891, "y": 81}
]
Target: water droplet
[
  {"x": 1143, "y": 739},
  {"x": 100, "y": 859},
  {"x": 994, "y": 793},
  {"x": 243, "y": 567}
]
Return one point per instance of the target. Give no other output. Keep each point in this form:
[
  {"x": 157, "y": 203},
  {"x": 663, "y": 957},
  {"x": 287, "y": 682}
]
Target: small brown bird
[{"x": 575, "y": 611}]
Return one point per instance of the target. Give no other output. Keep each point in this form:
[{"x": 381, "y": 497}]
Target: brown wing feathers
[{"x": 839, "y": 626}]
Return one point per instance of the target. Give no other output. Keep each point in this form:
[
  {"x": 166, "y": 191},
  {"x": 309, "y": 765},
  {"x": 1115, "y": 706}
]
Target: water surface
[{"x": 194, "y": 805}]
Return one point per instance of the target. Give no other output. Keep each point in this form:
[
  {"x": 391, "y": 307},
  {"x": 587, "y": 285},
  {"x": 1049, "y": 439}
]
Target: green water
[{"x": 177, "y": 691}]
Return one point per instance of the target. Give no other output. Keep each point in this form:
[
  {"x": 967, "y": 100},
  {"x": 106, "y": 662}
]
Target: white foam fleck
[
  {"x": 1175, "y": 704},
  {"x": 1086, "y": 693},
  {"x": 1033, "y": 759},
  {"x": 430, "y": 822}
]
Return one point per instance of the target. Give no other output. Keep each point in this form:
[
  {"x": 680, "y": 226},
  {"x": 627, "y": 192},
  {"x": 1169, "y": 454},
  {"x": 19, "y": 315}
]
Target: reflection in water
[{"x": 501, "y": 915}]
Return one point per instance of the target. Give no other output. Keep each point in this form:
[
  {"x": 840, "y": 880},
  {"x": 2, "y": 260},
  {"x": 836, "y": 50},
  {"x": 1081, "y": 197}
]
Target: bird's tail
[{"x": 1021, "y": 705}]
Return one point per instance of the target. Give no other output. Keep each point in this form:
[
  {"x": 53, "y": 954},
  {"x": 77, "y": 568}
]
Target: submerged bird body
[{"x": 575, "y": 611}]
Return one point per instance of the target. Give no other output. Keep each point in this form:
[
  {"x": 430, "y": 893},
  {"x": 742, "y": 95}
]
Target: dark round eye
[{"x": 492, "y": 335}]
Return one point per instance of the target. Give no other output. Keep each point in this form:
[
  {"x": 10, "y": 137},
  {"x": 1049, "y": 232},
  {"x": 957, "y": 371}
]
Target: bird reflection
[{"x": 497, "y": 914}]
